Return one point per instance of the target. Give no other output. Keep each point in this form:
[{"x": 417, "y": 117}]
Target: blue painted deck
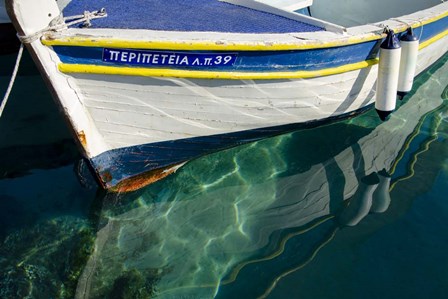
[{"x": 186, "y": 15}]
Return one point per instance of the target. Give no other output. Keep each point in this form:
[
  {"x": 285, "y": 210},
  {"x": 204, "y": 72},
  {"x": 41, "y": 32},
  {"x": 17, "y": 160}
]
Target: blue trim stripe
[
  {"x": 306, "y": 60},
  {"x": 430, "y": 30}
]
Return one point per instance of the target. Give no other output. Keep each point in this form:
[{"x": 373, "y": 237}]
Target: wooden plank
[{"x": 256, "y": 5}]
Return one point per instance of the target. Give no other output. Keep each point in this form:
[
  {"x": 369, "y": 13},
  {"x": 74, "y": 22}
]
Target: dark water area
[{"x": 353, "y": 209}]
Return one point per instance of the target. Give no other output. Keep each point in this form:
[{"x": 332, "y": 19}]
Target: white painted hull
[{"x": 129, "y": 110}]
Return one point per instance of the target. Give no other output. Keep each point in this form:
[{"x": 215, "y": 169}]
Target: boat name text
[{"x": 160, "y": 58}]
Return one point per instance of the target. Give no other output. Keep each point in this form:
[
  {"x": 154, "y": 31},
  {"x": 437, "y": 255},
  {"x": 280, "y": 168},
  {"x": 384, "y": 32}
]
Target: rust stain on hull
[
  {"x": 145, "y": 179},
  {"x": 82, "y": 138}
]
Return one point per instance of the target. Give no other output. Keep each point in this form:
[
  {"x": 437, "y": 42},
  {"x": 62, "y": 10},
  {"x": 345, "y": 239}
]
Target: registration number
[{"x": 168, "y": 58}]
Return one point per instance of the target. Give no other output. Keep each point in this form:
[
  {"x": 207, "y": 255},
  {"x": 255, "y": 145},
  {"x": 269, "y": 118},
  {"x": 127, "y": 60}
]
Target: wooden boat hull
[{"x": 143, "y": 105}]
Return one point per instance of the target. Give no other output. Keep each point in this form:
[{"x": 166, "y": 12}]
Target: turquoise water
[{"x": 354, "y": 209}]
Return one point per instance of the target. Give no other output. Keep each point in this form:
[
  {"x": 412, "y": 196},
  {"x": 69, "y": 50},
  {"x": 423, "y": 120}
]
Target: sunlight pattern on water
[
  {"x": 235, "y": 223},
  {"x": 309, "y": 214}
]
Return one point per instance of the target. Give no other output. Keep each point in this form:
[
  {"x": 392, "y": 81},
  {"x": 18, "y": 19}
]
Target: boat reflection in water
[{"x": 233, "y": 224}]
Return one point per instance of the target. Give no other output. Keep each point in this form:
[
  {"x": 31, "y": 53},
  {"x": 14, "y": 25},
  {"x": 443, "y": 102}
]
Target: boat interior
[
  {"x": 244, "y": 16},
  {"x": 349, "y": 13}
]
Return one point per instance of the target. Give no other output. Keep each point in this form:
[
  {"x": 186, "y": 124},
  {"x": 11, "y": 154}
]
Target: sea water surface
[{"x": 353, "y": 209}]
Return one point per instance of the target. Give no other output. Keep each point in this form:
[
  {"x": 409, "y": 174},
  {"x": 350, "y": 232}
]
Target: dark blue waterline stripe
[
  {"x": 124, "y": 163},
  {"x": 185, "y": 15}
]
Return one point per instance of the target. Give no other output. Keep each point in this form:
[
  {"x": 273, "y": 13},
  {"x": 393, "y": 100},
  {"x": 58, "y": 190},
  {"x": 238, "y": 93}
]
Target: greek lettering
[
  {"x": 113, "y": 55},
  {"x": 164, "y": 58}
]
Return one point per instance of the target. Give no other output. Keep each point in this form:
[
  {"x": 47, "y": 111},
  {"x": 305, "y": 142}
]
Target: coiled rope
[{"x": 56, "y": 24}]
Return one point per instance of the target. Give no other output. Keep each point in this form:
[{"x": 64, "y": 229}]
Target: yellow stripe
[
  {"x": 431, "y": 20},
  {"x": 153, "y": 72},
  {"x": 211, "y": 46},
  {"x": 433, "y": 39},
  {"x": 83, "y": 41}
]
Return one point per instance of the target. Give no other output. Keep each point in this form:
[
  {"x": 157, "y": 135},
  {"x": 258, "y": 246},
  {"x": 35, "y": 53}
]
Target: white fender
[
  {"x": 388, "y": 71},
  {"x": 408, "y": 63}
]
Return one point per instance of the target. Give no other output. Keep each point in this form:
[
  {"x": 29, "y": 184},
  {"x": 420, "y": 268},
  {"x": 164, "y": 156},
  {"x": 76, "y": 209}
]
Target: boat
[{"x": 149, "y": 87}]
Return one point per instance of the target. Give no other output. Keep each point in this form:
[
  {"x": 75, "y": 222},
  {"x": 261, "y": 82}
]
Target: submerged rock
[
  {"x": 133, "y": 285},
  {"x": 45, "y": 260}
]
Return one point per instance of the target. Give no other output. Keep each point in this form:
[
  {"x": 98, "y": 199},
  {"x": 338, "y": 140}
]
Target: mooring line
[{"x": 13, "y": 79}]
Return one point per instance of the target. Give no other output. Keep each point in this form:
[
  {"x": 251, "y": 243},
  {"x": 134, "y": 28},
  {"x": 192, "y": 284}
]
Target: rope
[
  {"x": 56, "y": 24},
  {"x": 13, "y": 79},
  {"x": 59, "y": 23},
  {"x": 86, "y": 17}
]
